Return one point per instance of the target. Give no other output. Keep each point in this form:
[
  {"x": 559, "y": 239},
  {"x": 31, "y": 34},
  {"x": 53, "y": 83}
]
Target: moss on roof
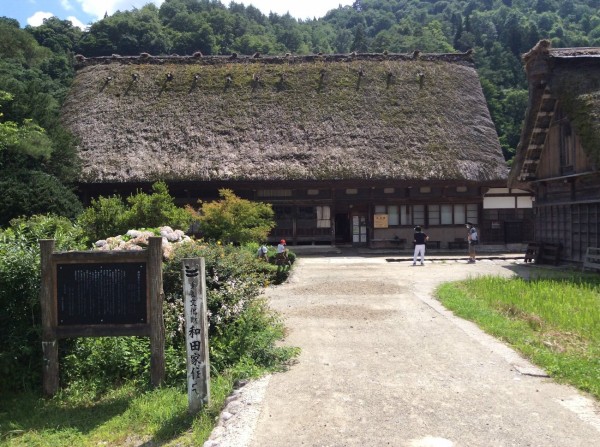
[
  {"x": 578, "y": 90},
  {"x": 342, "y": 117}
]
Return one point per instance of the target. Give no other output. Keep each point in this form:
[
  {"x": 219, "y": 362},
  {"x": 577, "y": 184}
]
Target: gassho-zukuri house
[
  {"x": 558, "y": 157},
  {"x": 349, "y": 149}
]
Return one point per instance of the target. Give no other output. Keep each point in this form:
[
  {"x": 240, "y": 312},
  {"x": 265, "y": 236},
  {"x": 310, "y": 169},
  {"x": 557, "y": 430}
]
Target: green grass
[
  {"x": 553, "y": 321},
  {"x": 126, "y": 416}
]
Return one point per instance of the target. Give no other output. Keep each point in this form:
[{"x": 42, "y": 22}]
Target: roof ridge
[{"x": 145, "y": 58}]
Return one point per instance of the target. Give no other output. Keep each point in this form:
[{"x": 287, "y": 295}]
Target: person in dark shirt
[{"x": 419, "y": 239}]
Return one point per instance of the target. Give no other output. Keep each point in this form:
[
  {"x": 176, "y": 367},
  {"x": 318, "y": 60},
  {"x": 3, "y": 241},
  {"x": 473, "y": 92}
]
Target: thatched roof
[
  {"x": 254, "y": 118},
  {"x": 571, "y": 77}
]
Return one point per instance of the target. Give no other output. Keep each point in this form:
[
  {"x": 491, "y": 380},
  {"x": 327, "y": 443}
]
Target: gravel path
[{"x": 384, "y": 364}]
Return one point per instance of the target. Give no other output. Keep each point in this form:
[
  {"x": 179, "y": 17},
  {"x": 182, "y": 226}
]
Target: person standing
[
  {"x": 281, "y": 256},
  {"x": 473, "y": 238},
  {"x": 419, "y": 240}
]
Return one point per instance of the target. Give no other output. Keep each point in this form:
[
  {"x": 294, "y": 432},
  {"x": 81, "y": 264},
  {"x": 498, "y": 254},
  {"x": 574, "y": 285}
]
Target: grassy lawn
[
  {"x": 554, "y": 320},
  {"x": 128, "y": 416}
]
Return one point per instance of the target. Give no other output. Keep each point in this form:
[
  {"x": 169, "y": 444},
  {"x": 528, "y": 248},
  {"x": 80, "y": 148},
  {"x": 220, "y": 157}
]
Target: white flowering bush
[
  {"x": 138, "y": 240},
  {"x": 242, "y": 328}
]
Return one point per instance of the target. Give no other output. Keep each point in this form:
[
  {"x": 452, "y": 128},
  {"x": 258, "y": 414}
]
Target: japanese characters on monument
[{"x": 196, "y": 334}]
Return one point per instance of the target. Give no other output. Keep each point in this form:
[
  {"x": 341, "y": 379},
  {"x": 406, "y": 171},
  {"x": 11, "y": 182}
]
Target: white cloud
[
  {"x": 66, "y": 4},
  {"x": 38, "y": 18},
  {"x": 78, "y": 23}
]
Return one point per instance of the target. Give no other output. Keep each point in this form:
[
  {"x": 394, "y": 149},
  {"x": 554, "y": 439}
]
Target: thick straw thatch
[
  {"x": 249, "y": 118},
  {"x": 572, "y": 77}
]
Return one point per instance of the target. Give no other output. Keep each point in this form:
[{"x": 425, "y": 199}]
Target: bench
[
  {"x": 543, "y": 253},
  {"x": 592, "y": 259},
  {"x": 458, "y": 243},
  {"x": 550, "y": 254},
  {"x": 433, "y": 244},
  {"x": 400, "y": 243}
]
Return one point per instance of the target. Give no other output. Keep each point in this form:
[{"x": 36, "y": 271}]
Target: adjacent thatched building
[
  {"x": 348, "y": 148},
  {"x": 559, "y": 153}
]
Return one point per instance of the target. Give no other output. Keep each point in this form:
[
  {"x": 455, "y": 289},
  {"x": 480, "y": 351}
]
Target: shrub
[
  {"x": 156, "y": 209},
  {"x": 236, "y": 220},
  {"x": 20, "y": 319},
  {"x": 104, "y": 217}
]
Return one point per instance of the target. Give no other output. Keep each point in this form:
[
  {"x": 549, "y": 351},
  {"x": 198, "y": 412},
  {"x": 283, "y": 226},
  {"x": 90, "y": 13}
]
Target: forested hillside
[
  {"x": 37, "y": 156},
  {"x": 36, "y": 64}
]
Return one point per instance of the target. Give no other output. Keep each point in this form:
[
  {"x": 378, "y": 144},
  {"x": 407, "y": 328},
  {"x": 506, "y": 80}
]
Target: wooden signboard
[
  {"x": 380, "y": 221},
  {"x": 196, "y": 333},
  {"x": 99, "y": 294}
]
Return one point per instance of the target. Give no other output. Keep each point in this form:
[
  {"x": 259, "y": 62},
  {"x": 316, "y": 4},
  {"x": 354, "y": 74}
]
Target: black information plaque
[{"x": 101, "y": 293}]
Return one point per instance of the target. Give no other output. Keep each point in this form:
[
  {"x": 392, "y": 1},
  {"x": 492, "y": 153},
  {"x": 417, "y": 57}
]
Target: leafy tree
[
  {"x": 20, "y": 46},
  {"x": 25, "y": 189},
  {"x": 129, "y": 32},
  {"x": 359, "y": 43},
  {"x": 237, "y": 220},
  {"x": 60, "y": 36},
  {"x": 25, "y": 193}
]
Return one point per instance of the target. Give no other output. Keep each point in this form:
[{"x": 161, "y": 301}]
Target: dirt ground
[{"x": 384, "y": 364}]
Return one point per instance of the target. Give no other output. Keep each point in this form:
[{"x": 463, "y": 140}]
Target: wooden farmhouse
[
  {"x": 349, "y": 149},
  {"x": 559, "y": 152}
]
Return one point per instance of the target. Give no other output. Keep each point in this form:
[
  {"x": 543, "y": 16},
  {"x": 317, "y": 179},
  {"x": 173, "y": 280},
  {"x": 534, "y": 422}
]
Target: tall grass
[{"x": 555, "y": 322}]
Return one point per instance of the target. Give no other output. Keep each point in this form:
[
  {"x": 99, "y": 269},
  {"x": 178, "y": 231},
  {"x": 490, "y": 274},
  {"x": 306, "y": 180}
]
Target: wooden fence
[{"x": 592, "y": 259}]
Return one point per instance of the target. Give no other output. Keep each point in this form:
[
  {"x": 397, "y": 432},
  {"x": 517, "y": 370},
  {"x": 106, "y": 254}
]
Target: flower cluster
[{"x": 138, "y": 239}]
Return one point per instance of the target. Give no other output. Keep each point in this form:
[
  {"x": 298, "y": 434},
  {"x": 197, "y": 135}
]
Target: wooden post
[
  {"x": 49, "y": 340},
  {"x": 196, "y": 333},
  {"x": 157, "y": 325}
]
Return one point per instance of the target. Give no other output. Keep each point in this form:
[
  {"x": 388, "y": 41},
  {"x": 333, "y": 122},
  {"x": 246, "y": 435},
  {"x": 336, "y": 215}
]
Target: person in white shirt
[
  {"x": 281, "y": 246},
  {"x": 262, "y": 252},
  {"x": 282, "y": 257},
  {"x": 473, "y": 239}
]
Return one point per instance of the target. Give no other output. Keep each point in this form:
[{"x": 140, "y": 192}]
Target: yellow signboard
[{"x": 380, "y": 221}]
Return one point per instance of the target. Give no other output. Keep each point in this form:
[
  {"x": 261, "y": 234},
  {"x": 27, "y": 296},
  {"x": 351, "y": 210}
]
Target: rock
[
  {"x": 234, "y": 407},
  {"x": 226, "y": 415},
  {"x": 231, "y": 398}
]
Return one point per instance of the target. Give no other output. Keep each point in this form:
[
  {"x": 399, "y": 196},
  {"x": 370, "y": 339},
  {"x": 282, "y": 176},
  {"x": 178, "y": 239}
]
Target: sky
[{"x": 85, "y": 12}]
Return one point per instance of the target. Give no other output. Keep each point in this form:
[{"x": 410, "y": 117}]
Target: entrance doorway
[
  {"x": 343, "y": 234},
  {"x": 513, "y": 232}
]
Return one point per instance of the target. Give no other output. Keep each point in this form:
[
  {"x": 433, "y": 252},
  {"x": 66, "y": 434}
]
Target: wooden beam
[{"x": 157, "y": 325}]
